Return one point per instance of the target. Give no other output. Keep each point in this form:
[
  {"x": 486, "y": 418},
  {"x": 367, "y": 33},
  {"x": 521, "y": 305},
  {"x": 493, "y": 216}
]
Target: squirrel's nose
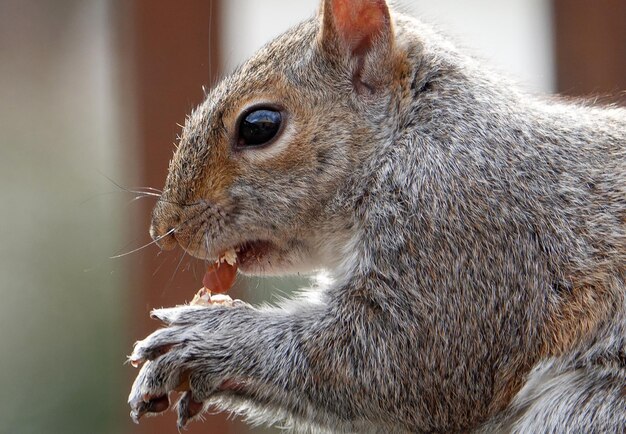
[
  {"x": 164, "y": 222},
  {"x": 164, "y": 239}
]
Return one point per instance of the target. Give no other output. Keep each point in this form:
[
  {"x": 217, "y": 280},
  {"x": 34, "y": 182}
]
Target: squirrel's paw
[{"x": 178, "y": 358}]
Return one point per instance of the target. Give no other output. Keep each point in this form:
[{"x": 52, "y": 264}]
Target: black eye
[{"x": 259, "y": 127}]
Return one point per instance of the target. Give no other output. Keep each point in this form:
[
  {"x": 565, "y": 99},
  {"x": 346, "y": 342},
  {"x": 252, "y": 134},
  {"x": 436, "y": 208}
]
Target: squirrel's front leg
[{"x": 278, "y": 359}]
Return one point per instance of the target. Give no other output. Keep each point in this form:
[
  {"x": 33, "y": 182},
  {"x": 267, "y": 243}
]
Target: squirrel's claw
[
  {"x": 148, "y": 354},
  {"x": 188, "y": 409},
  {"x": 150, "y": 390},
  {"x": 144, "y": 405},
  {"x": 154, "y": 346}
]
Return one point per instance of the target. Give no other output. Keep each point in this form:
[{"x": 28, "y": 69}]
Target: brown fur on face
[{"x": 240, "y": 192}]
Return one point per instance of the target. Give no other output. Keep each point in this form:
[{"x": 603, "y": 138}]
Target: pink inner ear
[{"x": 358, "y": 22}]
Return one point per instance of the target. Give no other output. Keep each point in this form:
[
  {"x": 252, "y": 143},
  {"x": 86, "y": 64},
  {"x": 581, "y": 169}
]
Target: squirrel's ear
[{"x": 362, "y": 31}]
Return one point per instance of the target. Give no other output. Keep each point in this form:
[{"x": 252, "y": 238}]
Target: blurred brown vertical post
[
  {"x": 175, "y": 53},
  {"x": 590, "y": 48}
]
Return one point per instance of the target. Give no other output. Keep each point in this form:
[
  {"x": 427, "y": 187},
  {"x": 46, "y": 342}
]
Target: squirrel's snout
[
  {"x": 164, "y": 239},
  {"x": 163, "y": 226}
]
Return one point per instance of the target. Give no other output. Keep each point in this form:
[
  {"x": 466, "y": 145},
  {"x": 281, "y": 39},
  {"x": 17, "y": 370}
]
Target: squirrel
[{"x": 475, "y": 237}]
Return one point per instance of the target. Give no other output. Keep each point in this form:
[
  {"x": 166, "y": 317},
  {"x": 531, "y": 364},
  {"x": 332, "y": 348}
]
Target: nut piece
[
  {"x": 220, "y": 276},
  {"x": 204, "y": 298},
  {"x": 229, "y": 256}
]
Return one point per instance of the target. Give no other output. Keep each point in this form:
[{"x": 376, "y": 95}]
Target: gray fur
[{"x": 476, "y": 237}]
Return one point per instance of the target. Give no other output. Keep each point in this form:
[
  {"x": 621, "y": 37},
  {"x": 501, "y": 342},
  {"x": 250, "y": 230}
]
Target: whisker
[
  {"x": 138, "y": 190},
  {"x": 134, "y": 190},
  {"x": 206, "y": 246},
  {"x": 156, "y": 190},
  {"x": 136, "y": 198},
  {"x": 148, "y": 191},
  {"x": 158, "y": 268},
  {"x": 143, "y": 193},
  {"x": 177, "y": 267},
  {"x": 194, "y": 270},
  {"x": 146, "y": 245}
]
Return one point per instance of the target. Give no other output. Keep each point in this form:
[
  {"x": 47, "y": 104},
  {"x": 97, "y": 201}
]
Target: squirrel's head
[{"x": 262, "y": 162}]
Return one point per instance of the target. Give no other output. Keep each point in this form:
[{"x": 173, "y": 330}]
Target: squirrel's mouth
[
  {"x": 249, "y": 254},
  {"x": 252, "y": 257}
]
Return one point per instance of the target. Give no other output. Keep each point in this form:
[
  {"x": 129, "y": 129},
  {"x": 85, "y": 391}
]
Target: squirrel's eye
[{"x": 259, "y": 127}]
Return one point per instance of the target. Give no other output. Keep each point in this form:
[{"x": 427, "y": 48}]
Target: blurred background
[{"x": 91, "y": 92}]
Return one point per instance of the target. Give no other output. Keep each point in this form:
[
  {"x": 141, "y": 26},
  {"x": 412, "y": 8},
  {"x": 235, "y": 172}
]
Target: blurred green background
[
  {"x": 90, "y": 94},
  {"x": 63, "y": 304}
]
